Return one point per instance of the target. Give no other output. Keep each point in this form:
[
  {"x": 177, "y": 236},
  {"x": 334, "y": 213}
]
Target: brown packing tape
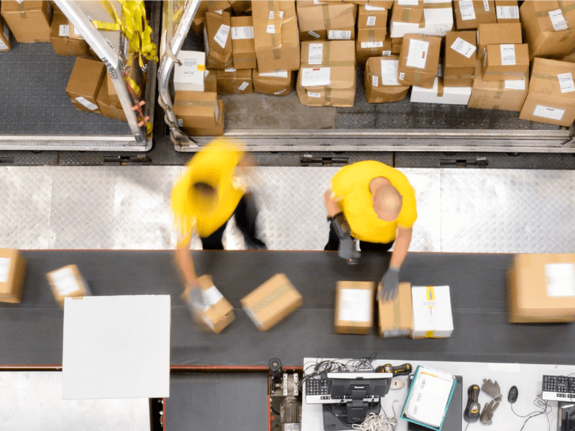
[
  {"x": 265, "y": 302},
  {"x": 277, "y": 36},
  {"x": 505, "y": 73},
  {"x": 396, "y": 312},
  {"x": 417, "y": 75},
  {"x": 440, "y": 88},
  {"x": 500, "y": 89},
  {"x": 566, "y": 35},
  {"x": 564, "y": 9},
  {"x": 541, "y": 76},
  {"x": 371, "y": 35},
  {"x": 194, "y": 103},
  {"x": 496, "y": 107},
  {"x": 326, "y": 17},
  {"x": 21, "y": 10},
  {"x": 454, "y": 77},
  {"x": 406, "y": 14}
]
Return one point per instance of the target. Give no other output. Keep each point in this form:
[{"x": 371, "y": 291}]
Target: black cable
[{"x": 468, "y": 423}]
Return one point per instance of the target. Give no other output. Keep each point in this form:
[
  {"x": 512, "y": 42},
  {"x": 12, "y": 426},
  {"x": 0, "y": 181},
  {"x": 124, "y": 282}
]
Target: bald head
[{"x": 387, "y": 202}]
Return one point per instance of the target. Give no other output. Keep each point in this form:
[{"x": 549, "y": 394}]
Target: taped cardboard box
[
  {"x": 313, "y": 16},
  {"x": 276, "y": 37},
  {"x": 196, "y": 109},
  {"x": 507, "y": 11},
  {"x": 366, "y": 48},
  {"x": 272, "y": 302},
  {"x": 273, "y": 83},
  {"x": 217, "y": 130},
  {"x": 432, "y": 316},
  {"x": 436, "y": 20},
  {"x": 217, "y": 40},
  {"x": 189, "y": 75},
  {"x": 232, "y": 81},
  {"x": 541, "y": 288},
  {"x": 493, "y": 34},
  {"x": 380, "y": 4},
  {"x": 345, "y": 33},
  {"x": 5, "y": 43},
  {"x": 354, "y": 307},
  {"x": 419, "y": 60},
  {"x": 369, "y": 18},
  {"x": 551, "y": 97},
  {"x": 30, "y": 21},
  {"x": 407, "y": 12},
  {"x": 459, "y": 60},
  {"x": 396, "y": 316},
  {"x": 469, "y": 14},
  {"x": 12, "y": 272},
  {"x": 109, "y": 106},
  {"x": 507, "y": 62},
  {"x": 60, "y": 40},
  {"x": 84, "y": 84},
  {"x": 440, "y": 94},
  {"x": 243, "y": 45},
  {"x": 327, "y": 75},
  {"x": 396, "y": 45},
  {"x": 381, "y": 80},
  {"x": 241, "y": 7},
  {"x": 67, "y": 282},
  {"x": 211, "y": 81}
]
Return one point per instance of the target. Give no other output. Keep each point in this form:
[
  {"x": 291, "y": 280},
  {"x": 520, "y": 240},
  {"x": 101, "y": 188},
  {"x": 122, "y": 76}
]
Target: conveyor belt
[{"x": 32, "y": 331}]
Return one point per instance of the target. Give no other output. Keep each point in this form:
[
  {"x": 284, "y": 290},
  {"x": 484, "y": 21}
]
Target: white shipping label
[
  {"x": 276, "y": 74},
  {"x": 315, "y": 53},
  {"x": 64, "y": 30},
  {"x": 242, "y": 33},
  {"x": 375, "y": 81},
  {"x": 370, "y": 7},
  {"x": 316, "y": 77},
  {"x": 389, "y": 71},
  {"x": 314, "y": 95},
  {"x": 385, "y": 53},
  {"x": 558, "y": 20},
  {"x": 221, "y": 36},
  {"x": 271, "y": 28},
  {"x": 355, "y": 305},
  {"x": 507, "y": 12},
  {"x": 371, "y": 20},
  {"x": 314, "y": 34},
  {"x": 4, "y": 269},
  {"x": 507, "y": 55},
  {"x": 190, "y": 67},
  {"x": 515, "y": 85},
  {"x": 87, "y": 103},
  {"x": 486, "y": 5},
  {"x": 317, "y": 2},
  {"x": 560, "y": 279},
  {"x": 463, "y": 47},
  {"x": 417, "y": 54},
  {"x": 366, "y": 45},
  {"x": 230, "y": 69},
  {"x": 65, "y": 281},
  {"x": 271, "y": 16},
  {"x": 466, "y": 9},
  {"x": 566, "y": 82},
  {"x": 339, "y": 34},
  {"x": 402, "y": 76},
  {"x": 244, "y": 85},
  {"x": 180, "y": 122},
  {"x": 547, "y": 112},
  {"x": 20, "y": 1},
  {"x": 407, "y": 2},
  {"x": 6, "y": 32},
  {"x": 211, "y": 296}
]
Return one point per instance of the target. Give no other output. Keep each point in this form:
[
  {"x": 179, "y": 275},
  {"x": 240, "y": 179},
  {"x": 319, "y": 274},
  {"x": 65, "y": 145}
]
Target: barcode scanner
[{"x": 473, "y": 407}]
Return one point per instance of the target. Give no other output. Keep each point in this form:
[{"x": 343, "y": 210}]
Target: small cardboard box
[
  {"x": 217, "y": 130},
  {"x": 67, "y": 282},
  {"x": 211, "y": 81},
  {"x": 459, "y": 59},
  {"x": 507, "y": 62},
  {"x": 274, "y": 83},
  {"x": 541, "y": 288},
  {"x": 189, "y": 76},
  {"x": 436, "y": 20},
  {"x": 272, "y": 302},
  {"x": 419, "y": 60},
  {"x": 354, "y": 307},
  {"x": 369, "y": 18},
  {"x": 440, "y": 94},
  {"x": 12, "y": 271},
  {"x": 5, "y": 44},
  {"x": 432, "y": 317},
  {"x": 109, "y": 106},
  {"x": 396, "y": 316},
  {"x": 366, "y": 47},
  {"x": 218, "y": 313},
  {"x": 405, "y": 13},
  {"x": 313, "y": 16},
  {"x": 243, "y": 45},
  {"x": 469, "y": 14},
  {"x": 507, "y": 11},
  {"x": 232, "y": 81},
  {"x": 493, "y": 34},
  {"x": 28, "y": 20},
  {"x": 61, "y": 42},
  {"x": 217, "y": 40},
  {"x": 381, "y": 80},
  {"x": 84, "y": 84},
  {"x": 196, "y": 109}
]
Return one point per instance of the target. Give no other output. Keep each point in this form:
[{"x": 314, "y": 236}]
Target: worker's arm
[
  {"x": 186, "y": 263},
  {"x": 331, "y": 205},
  {"x": 400, "y": 247},
  {"x": 341, "y": 227}
]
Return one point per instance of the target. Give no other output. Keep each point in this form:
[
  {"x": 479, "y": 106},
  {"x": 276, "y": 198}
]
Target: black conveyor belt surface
[{"x": 32, "y": 331}]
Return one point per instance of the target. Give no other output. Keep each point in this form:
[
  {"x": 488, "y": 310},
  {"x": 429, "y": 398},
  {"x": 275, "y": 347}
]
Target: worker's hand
[
  {"x": 347, "y": 250},
  {"x": 389, "y": 283}
]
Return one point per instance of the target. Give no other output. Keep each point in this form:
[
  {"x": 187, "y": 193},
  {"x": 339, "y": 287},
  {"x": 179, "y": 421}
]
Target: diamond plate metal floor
[{"x": 127, "y": 207}]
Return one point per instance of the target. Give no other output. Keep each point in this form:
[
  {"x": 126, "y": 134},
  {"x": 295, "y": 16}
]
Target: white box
[
  {"x": 190, "y": 75},
  {"x": 116, "y": 347},
  {"x": 438, "y": 21},
  {"x": 447, "y": 96},
  {"x": 432, "y": 316}
]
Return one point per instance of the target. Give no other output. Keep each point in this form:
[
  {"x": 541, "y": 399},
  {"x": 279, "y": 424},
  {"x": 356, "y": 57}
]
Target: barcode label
[
  {"x": 190, "y": 66},
  {"x": 466, "y": 9},
  {"x": 374, "y": 80},
  {"x": 242, "y": 33},
  {"x": 507, "y": 12},
  {"x": 314, "y": 34},
  {"x": 366, "y": 45},
  {"x": 316, "y": 77},
  {"x": 314, "y": 95},
  {"x": 244, "y": 85},
  {"x": 180, "y": 122},
  {"x": 566, "y": 82},
  {"x": 558, "y": 20},
  {"x": 315, "y": 53},
  {"x": 547, "y": 112},
  {"x": 385, "y": 53},
  {"x": 64, "y": 30},
  {"x": 87, "y": 103},
  {"x": 371, "y": 20},
  {"x": 339, "y": 34},
  {"x": 463, "y": 47},
  {"x": 417, "y": 54},
  {"x": 507, "y": 55},
  {"x": 515, "y": 85},
  {"x": 486, "y": 5},
  {"x": 221, "y": 36}
]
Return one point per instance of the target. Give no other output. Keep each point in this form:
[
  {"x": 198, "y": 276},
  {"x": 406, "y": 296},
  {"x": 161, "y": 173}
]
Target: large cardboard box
[
  {"x": 459, "y": 60},
  {"x": 243, "y": 45},
  {"x": 354, "y": 307},
  {"x": 272, "y": 302},
  {"x": 507, "y": 11},
  {"x": 327, "y": 75},
  {"x": 12, "y": 271},
  {"x": 211, "y": 81},
  {"x": 441, "y": 95},
  {"x": 217, "y": 130},
  {"x": 507, "y": 62},
  {"x": 551, "y": 97},
  {"x": 109, "y": 106},
  {"x": 189, "y": 75},
  {"x": 436, "y": 20},
  {"x": 369, "y": 18},
  {"x": 29, "y": 20},
  {"x": 313, "y": 16},
  {"x": 419, "y": 60},
  {"x": 396, "y": 316},
  {"x": 232, "y": 81},
  {"x": 541, "y": 288},
  {"x": 67, "y": 282},
  {"x": 548, "y": 26},
  {"x": 5, "y": 43},
  {"x": 61, "y": 42},
  {"x": 381, "y": 80},
  {"x": 217, "y": 40},
  {"x": 493, "y": 34},
  {"x": 276, "y": 39},
  {"x": 432, "y": 317},
  {"x": 405, "y": 12},
  {"x": 469, "y": 14},
  {"x": 196, "y": 109},
  {"x": 273, "y": 83},
  {"x": 366, "y": 48},
  {"x": 84, "y": 84}
]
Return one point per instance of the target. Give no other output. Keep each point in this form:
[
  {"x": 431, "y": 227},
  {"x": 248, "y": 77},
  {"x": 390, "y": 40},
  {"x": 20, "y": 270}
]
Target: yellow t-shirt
[
  {"x": 350, "y": 188},
  {"x": 214, "y": 165}
]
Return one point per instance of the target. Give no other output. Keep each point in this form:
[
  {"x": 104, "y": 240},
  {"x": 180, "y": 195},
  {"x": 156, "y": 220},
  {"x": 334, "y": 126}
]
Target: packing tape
[
  {"x": 505, "y": 73},
  {"x": 496, "y": 107},
  {"x": 566, "y": 35},
  {"x": 429, "y": 334},
  {"x": 417, "y": 75},
  {"x": 541, "y": 76},
  {"x": 440, "y": 88},
  {"x": 406, "y": 14},
  {"x": 21, "y": 10},
  {"x": 371, "y": 35},
  {"x": 500, "y": 89},
  {"x": 564, "y": 10},
  {"x": 454, "y": 77},
  {"x": 194, "y": 103},
  {"x": 326, "y": 17},
  {"x": 429, "y": 293},
  {"x": 273, "y": 296},
  {"x": 277, "y": 22}
]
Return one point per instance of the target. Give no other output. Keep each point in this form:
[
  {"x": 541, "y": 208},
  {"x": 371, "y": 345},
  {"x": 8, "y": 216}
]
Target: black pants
[
  {"x": 333, "y": 243},
  {"x": 246, "y": 215}
]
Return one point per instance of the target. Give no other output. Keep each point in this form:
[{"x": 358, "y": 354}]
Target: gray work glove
[
  {"x": 492, "y": 389},
  {"x": 488, "y": 411},
  {"x": 347, "y": 250},
  {"x": 389, "y": 283}
]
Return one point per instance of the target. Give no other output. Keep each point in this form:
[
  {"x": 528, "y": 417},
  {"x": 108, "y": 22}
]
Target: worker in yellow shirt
[
  {"x": 374, "y": 203},
  {"x": 207, "y": 196}
]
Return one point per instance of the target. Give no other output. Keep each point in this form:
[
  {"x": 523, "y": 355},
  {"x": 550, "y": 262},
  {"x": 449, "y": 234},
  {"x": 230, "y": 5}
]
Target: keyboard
[
  {"x": 317, "y": 392},
  {"x": 558, "y": 388}
]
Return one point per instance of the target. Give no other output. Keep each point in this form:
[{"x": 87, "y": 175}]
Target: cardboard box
[
  {"x": 541, "y": 288},
  {"x": 200, "y": 19},
  {"x": 84, "y": 84},
  {"x": 354, "y": 307},
  {"x": 366, "y": 48},
  {"x": 74, "y": 33},
  {"x": 551, "y": 97},
  {"x": 369, "y": 18},
  {"x": 313, "y": 16},
  {"x": 61, "y": 42},
  {"x": 272, "y": 302},
  {"x": 189, "y": 76},
  {"x": 217, "y": 130},
  {"x": 327, "y": 75},
  {"x": 218, "y": 313},
  {"x": 406, "y": 13},
  {"x": 381, "y": 4},
  {"x": 5, "y": 43},
  {"x": 436, "y": 20},
  {"x": 440, "y": 94},
  {"x": 232, "y": 81},
  {"x": 469, "y": 14},
  {"x": 196, "y": 109},
  {"x": 419, "y": 60},
  {"x": 345, "y": 33},
  {"x": 432, "y": 316},
  {"x": 381, "y": 80},
  {"x": 279, "y": 50},
  {"x": 548, "y": 27},
  {"x": 459, "y": 60},
  {"x": 210, "y": 81},
  {"x": 493, "y": 34},
  {"x": 507, "y": 11},
  {"x": 28, "y": 20},
  {"x": 243, "y": 45},
  {"x": 396, "y": 316},
  {"x": 396, "y": 45},
  {"x": 217, "y": 40},
  {"x": 273, "y": 83},
  {"x": 109, "y": 106},
  {"x": 507, "y": 62},
  {"x": 67, "y": 282},
  {"x": 12, "y": 272},
  {"x": 241, "y": 7}
]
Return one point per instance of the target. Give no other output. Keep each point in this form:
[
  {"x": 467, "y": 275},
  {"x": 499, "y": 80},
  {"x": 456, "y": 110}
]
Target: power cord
[
  {"x": 379, "y": 422},
  {"x": 544, "y": 409}
]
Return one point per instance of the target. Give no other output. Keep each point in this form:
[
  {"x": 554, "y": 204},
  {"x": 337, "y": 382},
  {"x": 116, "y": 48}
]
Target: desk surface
[{"x": 32, "y": 331}]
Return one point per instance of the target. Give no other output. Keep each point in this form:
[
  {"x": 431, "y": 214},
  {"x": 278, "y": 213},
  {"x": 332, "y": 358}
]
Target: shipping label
[
  {"x": 6, "y": 32},
  {"x": 515, "y": 85},
  {"x": 230, "y": 70},
  {"x": 315, "y": 53},
  {"x": 355, "y": 305},
  {"x": 507, "y": 12},
  {"x": 560, "y": 279},
  {"x": 385, "y": 53},
  {"x": 190, "y": 67},
  {"x": 558, "y": 20},
  {"x": 371, "y": 20},
  {"x": 466, "y": 9},
  {"x": 314, "y": 95},
  {"x": 211, "y": 297},
  {"x": 4, "y": 269},
  {"x": 87, "y": 103},
  {"x": 369, "y": 7},
  {"x": 339, "y": 34},
  {"x": 407, "y": 2},
  {"x": 206, "y": 73},
  {"x": 548, "y": 112},
  {"x": 65, "y": 281},
  {"x": 486, "y": 5},
  {"x": 220, "y": 11},
  {"x": 417, "y": 54},
  {"x": 276, "y": 74},
  {"x": 566, "y": 82},
  {"x": 221, "y": 36},
  {"x": 508, "y": 55},
  {"x": 3, "y": 45},
  {"x": 402, "y": 76},
  {"x": 314, "y": 34},
  {"x": 316, "y": 77},
  {"x": 242, "y": 33},
  {"x": 463, "y": 47},
  {"x": 216, "y": 111},
  {"x": 64, "y": 30},
  {"x": 271, "y": 28},
  {"x": 180, "y": 122},
  {"x": 366, "y": 45},
  {"x": 244, "y": 85},
  {"x": 389, "y": 71},
  {"x": 374, "y": 81}
]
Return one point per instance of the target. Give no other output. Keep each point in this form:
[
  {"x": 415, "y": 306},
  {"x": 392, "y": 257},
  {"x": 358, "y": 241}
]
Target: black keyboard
[
  {"x": 316, "y": 387},
  {"x": 558, "y": 388}
]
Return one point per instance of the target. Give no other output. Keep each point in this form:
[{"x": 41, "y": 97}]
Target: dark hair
[{"x": 205, "y": 189}]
